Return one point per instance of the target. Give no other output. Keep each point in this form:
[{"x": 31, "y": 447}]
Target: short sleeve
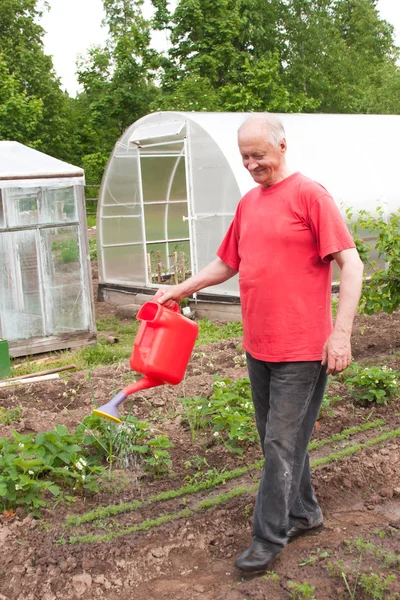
[
  {"x": 228, "y": 251},
  {"x": 329, "y": 229}
]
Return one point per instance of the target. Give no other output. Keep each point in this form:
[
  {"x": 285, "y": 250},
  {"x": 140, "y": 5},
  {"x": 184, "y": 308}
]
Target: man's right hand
[{"x": 168, "y": 295}]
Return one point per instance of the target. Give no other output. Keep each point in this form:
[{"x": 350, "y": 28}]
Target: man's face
[{"x": 263, "y": 159}]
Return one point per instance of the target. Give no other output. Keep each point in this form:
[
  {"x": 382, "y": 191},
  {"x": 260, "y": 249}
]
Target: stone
[
  {"x": 4, "y": 533},
  {"x": 81, "y": 583},
  {"x": 158, "y": 552}
]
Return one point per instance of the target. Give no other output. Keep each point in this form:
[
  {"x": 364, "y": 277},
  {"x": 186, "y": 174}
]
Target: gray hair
[{"x": 272, "y": 125}]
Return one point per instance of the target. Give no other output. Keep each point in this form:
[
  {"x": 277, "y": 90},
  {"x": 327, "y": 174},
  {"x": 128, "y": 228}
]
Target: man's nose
[{"x": 252, "y": 165}]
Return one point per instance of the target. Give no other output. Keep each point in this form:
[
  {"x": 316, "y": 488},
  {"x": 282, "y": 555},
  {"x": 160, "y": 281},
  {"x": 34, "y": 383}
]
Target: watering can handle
[{"x": 175, "y": 307}]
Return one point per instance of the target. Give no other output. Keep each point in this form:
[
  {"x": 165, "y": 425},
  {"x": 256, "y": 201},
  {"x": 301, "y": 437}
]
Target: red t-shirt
[{"x": 281, "y": 241}]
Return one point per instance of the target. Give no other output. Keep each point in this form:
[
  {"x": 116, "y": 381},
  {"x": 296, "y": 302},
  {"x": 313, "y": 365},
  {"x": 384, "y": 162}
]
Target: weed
[
  {"x": 210, "y": 333},
  {"x": 12, "y": 415},
  {"x": 376, "y": 586},
  {"x": 301, "y": 591},
  {"x": 273, "y": 577}
]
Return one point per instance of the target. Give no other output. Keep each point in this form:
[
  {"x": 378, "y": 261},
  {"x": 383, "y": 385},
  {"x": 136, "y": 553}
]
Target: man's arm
[
  {"x": 337, "y": 349},
  {"x": 215, "y": 272}
]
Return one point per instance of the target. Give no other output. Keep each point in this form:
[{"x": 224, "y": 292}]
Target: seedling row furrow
[
  {"x": 210, "y": 503},
  {"x": 115, "y": 509}
]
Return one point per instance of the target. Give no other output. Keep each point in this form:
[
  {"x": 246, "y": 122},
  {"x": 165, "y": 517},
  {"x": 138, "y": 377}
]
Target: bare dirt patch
[{"x": 191, "y": 555}]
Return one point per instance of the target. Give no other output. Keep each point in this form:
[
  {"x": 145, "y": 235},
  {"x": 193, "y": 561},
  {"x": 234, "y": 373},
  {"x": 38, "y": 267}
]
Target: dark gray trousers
[{"x": 287, "y": 398}]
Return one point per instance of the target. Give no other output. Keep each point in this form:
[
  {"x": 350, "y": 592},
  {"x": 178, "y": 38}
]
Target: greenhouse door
[{"x": 165, "y": 212}]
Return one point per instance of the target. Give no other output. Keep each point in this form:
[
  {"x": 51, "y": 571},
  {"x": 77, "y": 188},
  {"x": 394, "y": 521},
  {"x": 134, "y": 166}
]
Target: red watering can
[{"x": 161, "y": 352}]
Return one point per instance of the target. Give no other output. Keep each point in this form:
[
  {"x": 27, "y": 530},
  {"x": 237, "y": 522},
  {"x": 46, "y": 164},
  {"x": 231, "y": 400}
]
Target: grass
[{"x": 103, "y": 354}]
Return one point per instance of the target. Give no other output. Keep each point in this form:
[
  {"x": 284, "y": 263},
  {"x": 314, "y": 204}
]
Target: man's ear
[{"x": 283, "y": 146}]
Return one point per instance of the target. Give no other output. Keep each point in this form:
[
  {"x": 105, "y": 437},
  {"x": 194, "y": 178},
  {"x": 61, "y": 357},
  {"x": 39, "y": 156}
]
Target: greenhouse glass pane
[
  {"x": 178, "y": 189},
  {"x": 168, "y": 263},
  {"x": 122, "y": 210},
  {"x": 22, "y": 206},
  {"x": 2, "y": 225},
  {"x": 58, "y": 205},
  {"x": 156, "y": 177},
  {"x": 21, "y": 313},
  {"x": 177, "y": 227},
  {"x": 121, "y": 185},
  {"x": 170, "y": 149},
  {"x": 64, "y": 296},
  {"x": 154, "y": 218},
  {"x": 122, "y": 230},
  {"x": 125, "y": 264}
]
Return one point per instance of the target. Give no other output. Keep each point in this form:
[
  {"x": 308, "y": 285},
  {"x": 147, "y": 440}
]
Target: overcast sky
[{"x": 72, "y": 26}]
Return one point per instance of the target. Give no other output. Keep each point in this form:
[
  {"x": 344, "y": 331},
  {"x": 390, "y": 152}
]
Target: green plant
[
  {"x": 373, "y": 384},
  {"x": 11, "y": 415},
  {"x": 93, "y": 248},
  {"x": 228, "y": 412},
  {"x": 382, "y": 290},
  {"x": 129, "y": 443},
  {"x": 301, "y": 591},
  {"x": 376, "y": 586},
  {"x": 273, "y": 577},
  {"x": 210, "y": 332},
  {"x": 31, "y": 465}
]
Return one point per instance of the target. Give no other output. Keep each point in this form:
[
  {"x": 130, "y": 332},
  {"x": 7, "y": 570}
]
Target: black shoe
[
  {"x": 298, "y": 530},
  {"x": 257, "y": 558}
]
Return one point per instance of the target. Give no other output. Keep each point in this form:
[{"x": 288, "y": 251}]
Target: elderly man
[{"x": 285, "y": 234}]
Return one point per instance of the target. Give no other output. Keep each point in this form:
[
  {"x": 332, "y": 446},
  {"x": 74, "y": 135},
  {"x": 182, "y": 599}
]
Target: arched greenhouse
[{"x": 174, "y": 180}]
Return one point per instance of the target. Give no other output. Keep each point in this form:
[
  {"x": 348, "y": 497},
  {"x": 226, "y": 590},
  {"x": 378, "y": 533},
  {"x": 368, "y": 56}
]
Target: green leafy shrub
[
  {"x": 31, "y": 465},
  {"x": 127, "y": 444},
  {"x": 228, "y": 412},
  {"x": 12, "y": 415},
  {"x": 373, "y": 384},
  {"x": 382, "y": 291}
]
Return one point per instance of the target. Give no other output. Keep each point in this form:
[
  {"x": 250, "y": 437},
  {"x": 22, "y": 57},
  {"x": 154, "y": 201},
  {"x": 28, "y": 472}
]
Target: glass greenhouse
[
  {"x": 174, "y": 180},
  {"x": 46, "y": 299}
]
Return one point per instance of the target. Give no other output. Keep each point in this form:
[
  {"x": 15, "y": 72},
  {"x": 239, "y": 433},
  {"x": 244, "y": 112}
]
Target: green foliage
[
  {"x": 130, "y": 443},
  {"x": 382, "y": 290},
  {"x": 301, "y": 591},
  {"x": 32, "y": 465},
  {"x": 373, "y": 384},
  {"x": 93, "y": 248},
  {"x": 12, "y": 415},
  {"x": 210, "y": 332},
  {"x": 376, "y": 586},
  {"x": 228, "y": 412}
]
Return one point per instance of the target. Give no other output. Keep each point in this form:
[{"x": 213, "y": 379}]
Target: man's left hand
[{"x": 336, "y": 353}]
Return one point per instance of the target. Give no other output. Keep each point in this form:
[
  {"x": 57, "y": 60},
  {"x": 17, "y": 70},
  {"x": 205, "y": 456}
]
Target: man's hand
[
  {"x": 168, "y": 295},
  {"x": 336, "y": 353}
]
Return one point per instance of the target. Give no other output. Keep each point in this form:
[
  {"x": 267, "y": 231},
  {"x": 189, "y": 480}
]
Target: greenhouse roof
[{"x": 21, "y": 162}]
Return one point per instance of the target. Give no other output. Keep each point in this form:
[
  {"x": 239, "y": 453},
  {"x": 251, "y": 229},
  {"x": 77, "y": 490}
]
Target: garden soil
[{"x": 193, "y": 556}]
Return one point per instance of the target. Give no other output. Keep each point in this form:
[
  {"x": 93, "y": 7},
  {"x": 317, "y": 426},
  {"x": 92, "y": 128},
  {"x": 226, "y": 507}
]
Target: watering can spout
[{"x": 110, "y": 410}]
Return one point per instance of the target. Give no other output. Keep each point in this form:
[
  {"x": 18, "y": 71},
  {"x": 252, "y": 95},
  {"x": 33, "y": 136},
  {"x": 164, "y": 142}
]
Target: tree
[
  {"x": 336, "y": 51},
  {"x": 223, "y": 58},
  {"x": 19, "y": 114},
  {"x": 30, "y": 76},
  {"x": 118, "y": 77}
]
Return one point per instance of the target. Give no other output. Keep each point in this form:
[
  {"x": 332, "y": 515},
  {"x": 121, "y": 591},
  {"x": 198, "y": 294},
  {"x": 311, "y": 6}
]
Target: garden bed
[{"x": 176, "y": 536}]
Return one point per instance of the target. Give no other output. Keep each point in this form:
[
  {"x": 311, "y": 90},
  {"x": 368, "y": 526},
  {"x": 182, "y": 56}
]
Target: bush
[{"x": 373, "y": 384}]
